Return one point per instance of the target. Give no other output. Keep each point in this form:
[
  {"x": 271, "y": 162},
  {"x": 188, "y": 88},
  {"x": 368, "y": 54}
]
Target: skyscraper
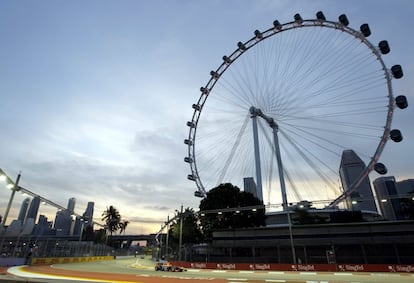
[
  {"x": 77, "y": 226},
  {"x": 88, "y": 215},
  {"x": 33, "y": 209},
  {"x": 63, "y": 223},
  {"x": 23, "y": 210},
  {"x": 71, "y": 205},
  {"x": 250, "y": 185},
  {"x": 43, "y": 226},
  {"x": 406, "y": 187},
  {"x": 387, "y": 194},
  {"x": 350, "y": 170}
]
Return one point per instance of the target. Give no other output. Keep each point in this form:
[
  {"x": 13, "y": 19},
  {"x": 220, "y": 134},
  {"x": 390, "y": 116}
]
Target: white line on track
[
  {"x": 307, "y": 273},
  {"x": 342, "y": 273},
  {"x": 276, "y": 272}
]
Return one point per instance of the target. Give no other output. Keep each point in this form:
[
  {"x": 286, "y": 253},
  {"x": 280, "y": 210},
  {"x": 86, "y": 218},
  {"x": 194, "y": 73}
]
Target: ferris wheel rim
[{"x": 259, "y": 37}]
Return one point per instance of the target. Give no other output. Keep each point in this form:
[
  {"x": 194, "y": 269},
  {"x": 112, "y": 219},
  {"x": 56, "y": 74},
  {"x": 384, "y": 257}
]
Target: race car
[{"x": 167, "y": 266}]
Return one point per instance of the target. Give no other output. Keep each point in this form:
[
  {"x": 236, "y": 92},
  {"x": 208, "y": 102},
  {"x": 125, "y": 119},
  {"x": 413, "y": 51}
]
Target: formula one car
[{"x": 166, "y": 266}]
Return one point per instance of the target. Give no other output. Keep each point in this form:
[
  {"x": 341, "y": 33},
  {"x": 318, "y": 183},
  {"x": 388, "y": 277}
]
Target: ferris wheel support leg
[
  {"x": 280, "y": 168},
  {"x": 257, "y": 159}
]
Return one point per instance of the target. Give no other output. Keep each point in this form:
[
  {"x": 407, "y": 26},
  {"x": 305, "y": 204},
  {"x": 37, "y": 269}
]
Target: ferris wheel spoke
[
  {"x": 308, "y": 156},
  {"x": 233, "y": 150}
]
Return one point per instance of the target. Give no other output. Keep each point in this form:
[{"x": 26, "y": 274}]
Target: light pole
[
  {"x": 166, "y": 241},
  {"x": 292, "y": 246},
  {"x": 181, "y": 234},
  {"x": 14, "y": 187}
]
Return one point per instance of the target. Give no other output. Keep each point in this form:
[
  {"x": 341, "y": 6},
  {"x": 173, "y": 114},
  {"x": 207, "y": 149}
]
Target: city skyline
[
  {"x": 96, "y": 96},
  {"x": 389, "y": 195},
  {"x": 63, "y": 223}
]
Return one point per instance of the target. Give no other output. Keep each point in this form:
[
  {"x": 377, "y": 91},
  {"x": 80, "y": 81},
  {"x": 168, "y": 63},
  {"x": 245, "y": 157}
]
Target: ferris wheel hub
[{"x": 258, "y": 112}]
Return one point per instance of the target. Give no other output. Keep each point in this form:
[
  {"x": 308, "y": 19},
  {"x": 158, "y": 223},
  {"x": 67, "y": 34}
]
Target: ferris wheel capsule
[
  {"x": 241, "y": 46},
  {"x": 380, "y": 168},
  {"x": 226, "y": 59},
  {"x": 298, "y": 19},
  {"x": 343, "y": 19},
  {"x": 198, "y": 194},
  {"x": 191, "y": 177},
  {"x": 205, "y": 90},
  {"x": 320, "y": 16},
  {"x": 396, "y": 135},
  {"x": 384, "y": 47},
  {"x": 196, "y": 107},
  {"x": 365, "y": 30},
  {"x": 401, "y": 101},
  {"x": 258, "y": 34},
  {"x": 214, "y": 74},
  {"x": 397, "y": 71},
  {"x": 277, "y": 25}
]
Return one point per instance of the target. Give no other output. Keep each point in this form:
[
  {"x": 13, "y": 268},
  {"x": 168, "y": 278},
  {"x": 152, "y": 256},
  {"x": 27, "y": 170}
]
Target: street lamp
[
  {"x": 292, "y": 246},
  {"x": 180, "y": 243},
  {"x": 168, "y": 232},
  {"x": 14, "y": 186}
]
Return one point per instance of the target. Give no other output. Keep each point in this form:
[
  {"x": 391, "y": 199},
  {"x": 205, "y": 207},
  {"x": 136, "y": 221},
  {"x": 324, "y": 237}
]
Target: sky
[{"x": 95, "y": 95}]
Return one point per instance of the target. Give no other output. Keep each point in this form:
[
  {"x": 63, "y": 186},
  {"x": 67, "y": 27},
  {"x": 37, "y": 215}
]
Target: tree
[
  {"x": 112, "y": 219},
  {"x": 229, "y": 198},
  {"x": 191, "y": 230},
  {"x": 191, "y": 233},
  {"x": 122, "y": 226}
]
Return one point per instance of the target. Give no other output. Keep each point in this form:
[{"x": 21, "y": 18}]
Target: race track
[{"x": 126, "y": 270}]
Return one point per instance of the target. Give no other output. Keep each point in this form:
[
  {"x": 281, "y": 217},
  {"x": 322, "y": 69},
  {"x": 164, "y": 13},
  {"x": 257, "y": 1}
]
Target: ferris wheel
[{"x": 280, "y": 110}]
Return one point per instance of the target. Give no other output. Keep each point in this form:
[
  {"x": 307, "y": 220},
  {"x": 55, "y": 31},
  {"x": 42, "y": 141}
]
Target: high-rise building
[
  {"x": 63, "y": 223},
  {"x": 77, "y": 226},
  {"x": 350, "y": 170},
  {"x": 71, "y": 205},
  {"x": 387, "y": 194},
  {"x": 405, "y": 187},
  {"x": 43, "y": 226},
  {"x": 88, "y": 215},
  {"x": 33, "y": 209},
  {"x": 250, "y": 185},
  {"x": 23, "y": 210}
]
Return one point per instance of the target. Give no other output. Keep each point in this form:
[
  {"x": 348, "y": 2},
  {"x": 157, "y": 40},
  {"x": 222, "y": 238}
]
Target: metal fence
[{"x": 47, "y": 246}]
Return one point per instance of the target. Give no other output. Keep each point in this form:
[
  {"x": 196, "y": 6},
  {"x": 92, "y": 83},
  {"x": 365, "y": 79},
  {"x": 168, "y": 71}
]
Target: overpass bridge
[{"x": 128, "y": 239}]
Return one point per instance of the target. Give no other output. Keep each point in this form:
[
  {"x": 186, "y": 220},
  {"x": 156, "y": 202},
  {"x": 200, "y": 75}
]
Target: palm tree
[
  {"x": 122, "y": 226},
  {"x": 112, "y": 219}
]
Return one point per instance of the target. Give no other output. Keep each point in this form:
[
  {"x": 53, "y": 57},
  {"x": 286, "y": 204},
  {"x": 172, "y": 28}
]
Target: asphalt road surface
[{"x": 126, "y": 270}]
